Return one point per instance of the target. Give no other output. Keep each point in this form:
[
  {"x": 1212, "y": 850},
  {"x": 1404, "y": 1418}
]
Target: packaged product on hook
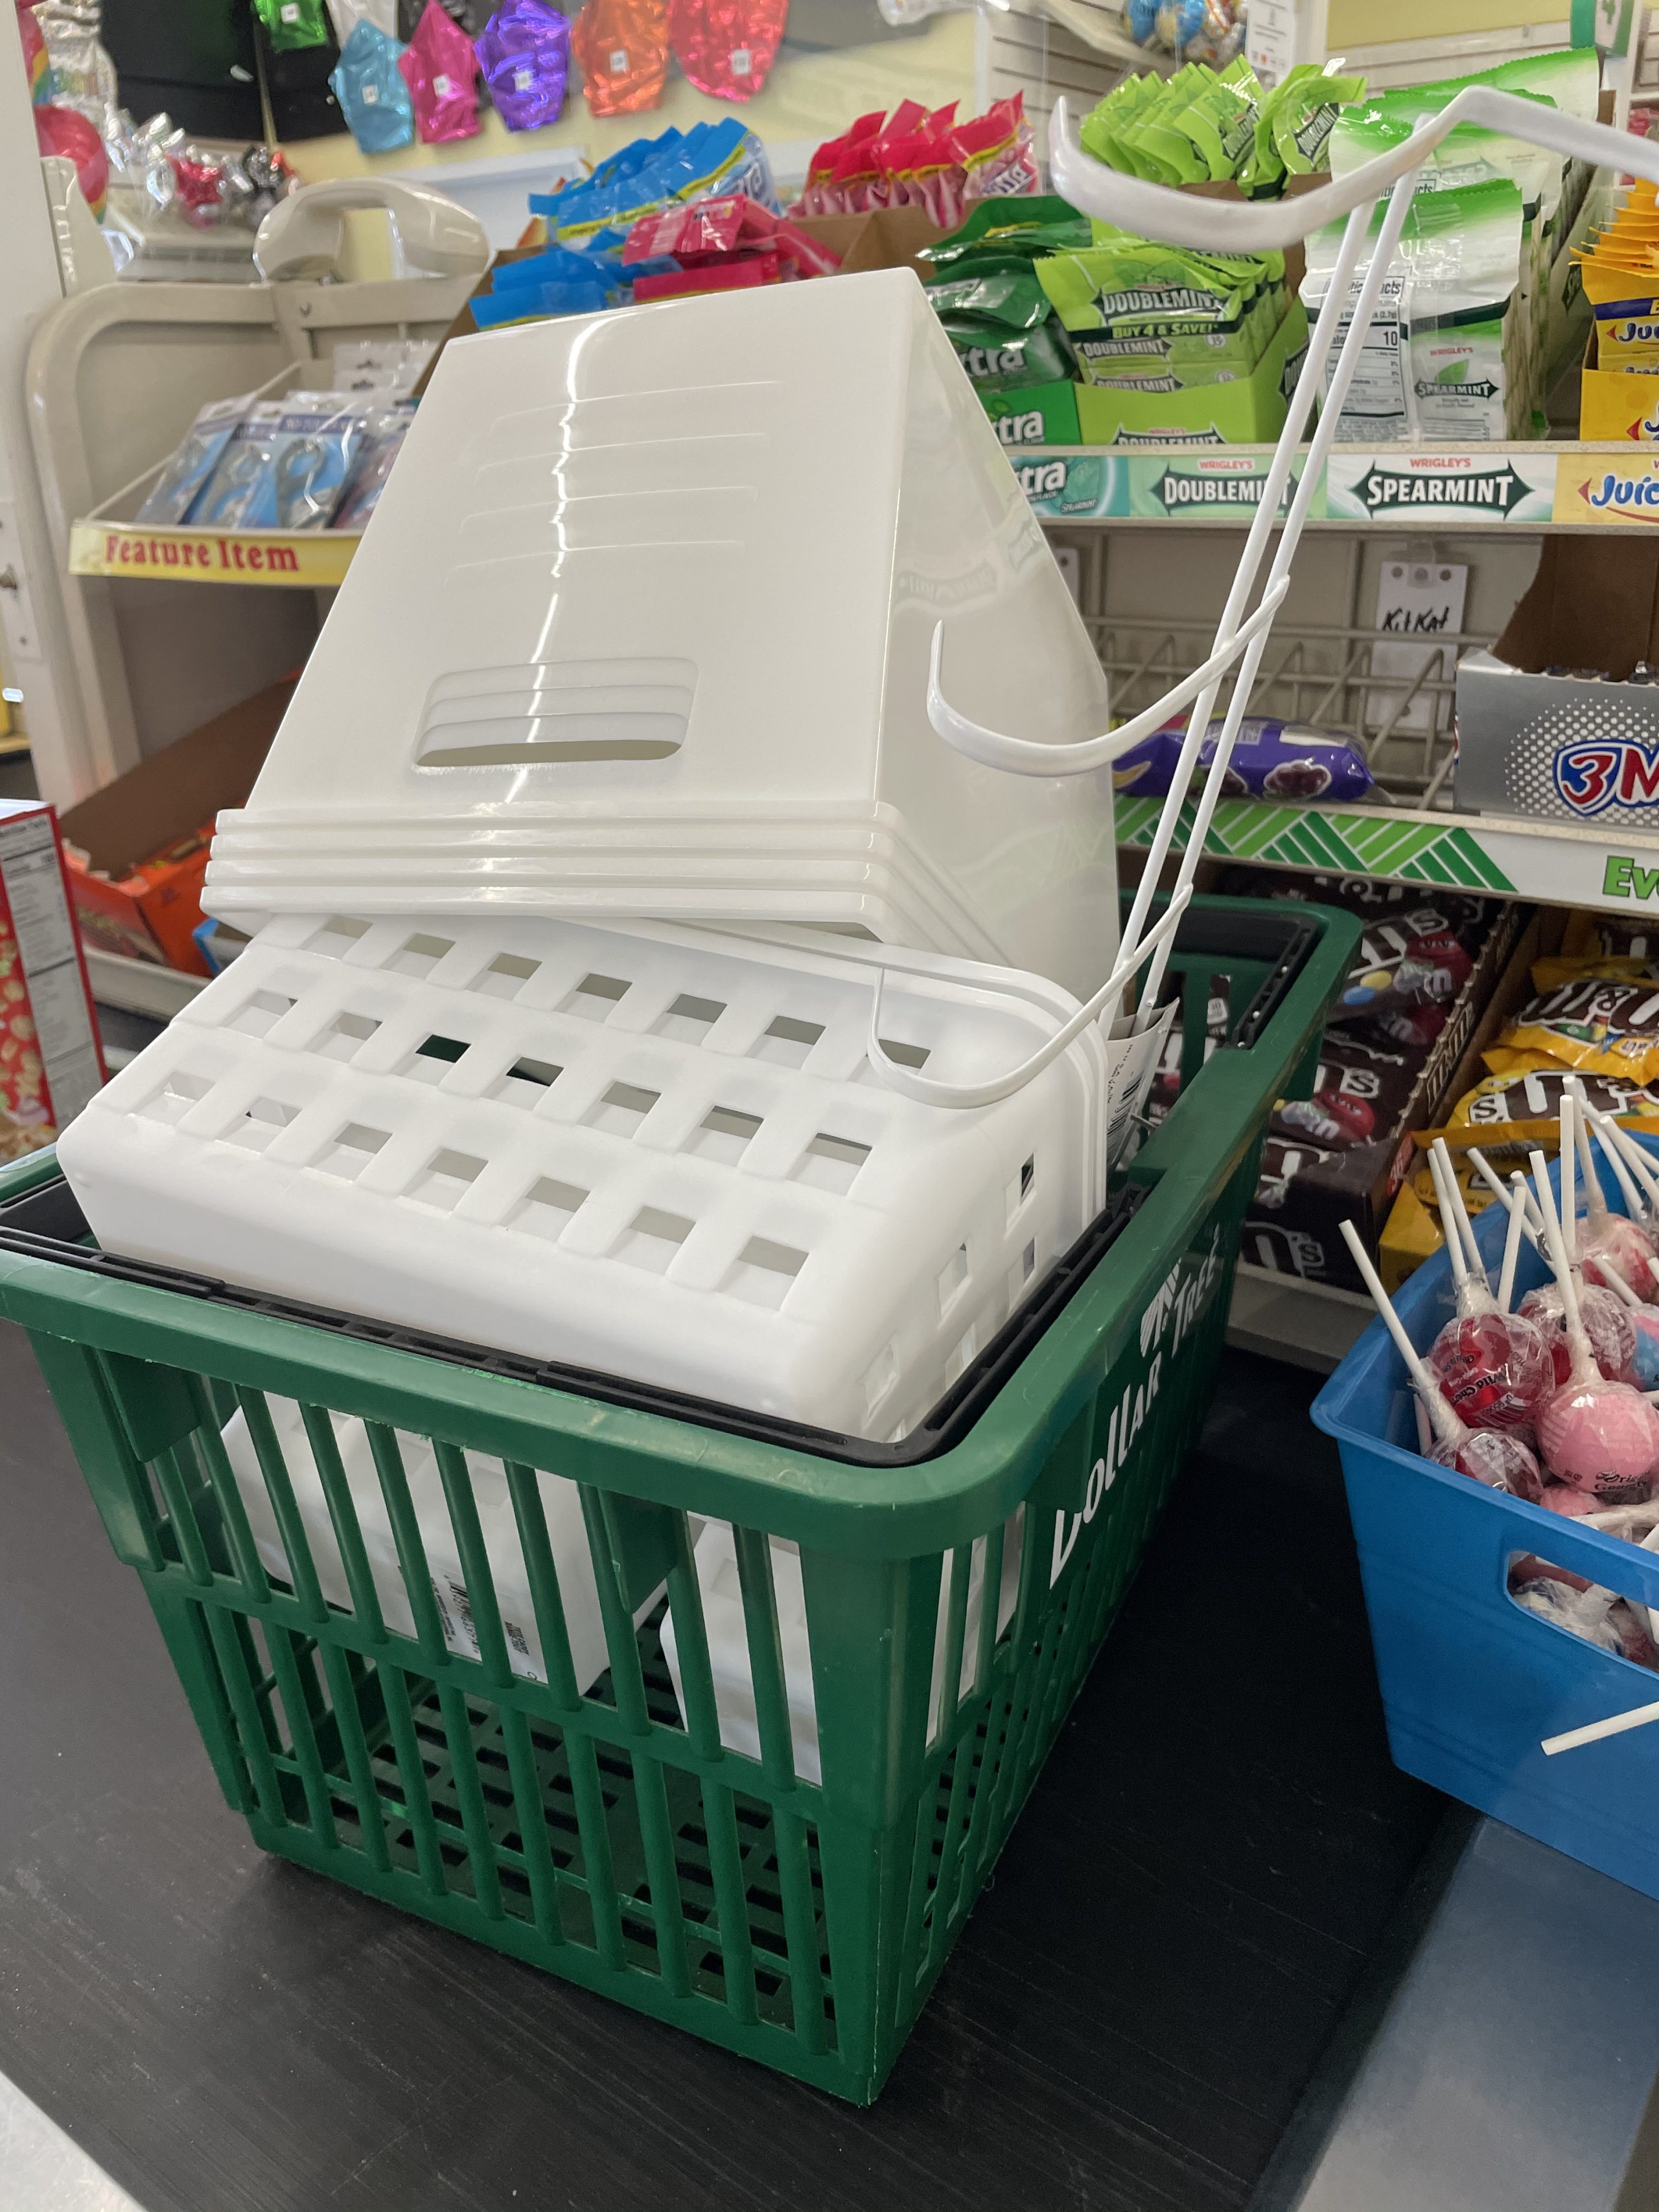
[
  {"x": 1437, "y": 363},
  {"x": 524, "y": 54},
  {"x": 439, "y": 67},
  {"x": 293, "y": 23},
  {"x": 369, "y": 87},
  {"x": 622, "y": 46},
  {"x": 726, "y": 47},
  {"x": 172, "y": 495}
]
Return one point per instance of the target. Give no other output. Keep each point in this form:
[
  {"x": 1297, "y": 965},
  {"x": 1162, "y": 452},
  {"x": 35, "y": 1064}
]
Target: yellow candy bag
[{"x": 1596, "y": 1026}]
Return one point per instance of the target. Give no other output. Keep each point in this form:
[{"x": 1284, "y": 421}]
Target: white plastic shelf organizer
[
  {"x": 662, "y": 1154},
  {"x": 643, "y": 626}
]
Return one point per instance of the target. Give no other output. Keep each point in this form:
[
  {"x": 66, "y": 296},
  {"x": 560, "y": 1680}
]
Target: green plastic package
[
  {"x": 1004, "y": 328},
  {"x": 1160, "y": 317},
  {"x": 1293, "y": 127},
  {"x": 1442, "y": 360},
  {"x": 1194, "y": 127},
  {"x": 1003, "y": 228},
  {"x": 292, "y": 23}
]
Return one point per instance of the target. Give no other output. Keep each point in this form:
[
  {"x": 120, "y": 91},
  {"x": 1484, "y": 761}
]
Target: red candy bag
[
  {"x": 440, "y": 66},
  {"x": 997, "y": 152},
  {"x": 622, "y": 47},
  {"x": 726, "y": 47}
]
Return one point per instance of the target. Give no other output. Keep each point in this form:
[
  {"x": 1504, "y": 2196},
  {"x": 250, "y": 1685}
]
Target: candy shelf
[
  {"x": 1303, "y": 1324},
  {"x": 1529, "y": 487}
]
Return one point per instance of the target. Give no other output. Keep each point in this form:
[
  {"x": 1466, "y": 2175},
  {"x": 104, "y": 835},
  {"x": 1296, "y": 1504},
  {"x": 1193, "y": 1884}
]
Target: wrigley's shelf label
[
  {"x": 1474, "y": 487},
  {"x": 1189, "y": 483},
  {"x": 1528, "y": 486},
  {"x": 301, "y": 558}
]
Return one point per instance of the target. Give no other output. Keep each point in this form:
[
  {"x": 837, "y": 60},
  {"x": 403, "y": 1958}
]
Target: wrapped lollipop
[
  {"x": 1600, "y": 1435},
  {"x": 1500, "y": 1460},
  {"x": 1494, "y": 1366},
  {"x": 1607, "y": 1323},
  {"x": 1612, "y": 1242}
]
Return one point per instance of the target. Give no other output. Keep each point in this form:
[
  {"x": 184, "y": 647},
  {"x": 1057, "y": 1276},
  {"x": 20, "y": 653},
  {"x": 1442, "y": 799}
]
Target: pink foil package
[
  {"x": 438, "y": 66},
  {"x": 726, "y": 47},
  {"x": 524, "y": 52}
]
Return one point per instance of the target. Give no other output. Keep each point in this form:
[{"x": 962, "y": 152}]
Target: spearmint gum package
[
  {"x": 524, "y": 51},
  {"x": 373, "y": 96},
  {"x": 1436, "y": 365},
  {"x": 176, "y": 489},
  {"x": 1270, "y": 760}
]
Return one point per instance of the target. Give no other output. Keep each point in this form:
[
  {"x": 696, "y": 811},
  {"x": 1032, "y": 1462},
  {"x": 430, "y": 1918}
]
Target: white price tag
[{"x": 1416, "y": 599}]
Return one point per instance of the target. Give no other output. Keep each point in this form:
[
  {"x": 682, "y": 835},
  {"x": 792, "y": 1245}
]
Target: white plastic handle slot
[
  {"x": 927, "y": 1092},
  {"x": 1025, "y": 756},
  {"x": 1268, "y": 225}
]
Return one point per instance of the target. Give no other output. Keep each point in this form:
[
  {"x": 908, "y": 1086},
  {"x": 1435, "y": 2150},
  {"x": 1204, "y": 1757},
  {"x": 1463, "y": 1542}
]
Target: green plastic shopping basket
[{"x": 800, "y": 1922}]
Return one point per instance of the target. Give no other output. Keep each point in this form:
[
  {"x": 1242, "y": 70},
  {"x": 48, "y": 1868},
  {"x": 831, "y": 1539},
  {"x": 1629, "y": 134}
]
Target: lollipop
[
  {"x": 1601, "y": 1435},
  {"x": 1611, "y": 1244},
  {"x": 1494, "y": 1366},
  {"x": 1501, "y": 1462}
]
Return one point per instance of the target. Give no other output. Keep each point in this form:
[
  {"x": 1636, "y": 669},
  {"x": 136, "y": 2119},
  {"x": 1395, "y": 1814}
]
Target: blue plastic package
[
  {"x": 373, "y": 96},
  {"x": 1270, "y": 760},
  {"x": 383, "y": 440},
  {"x": 286, "y": 466},
  {"x": 179, "y": 485}
]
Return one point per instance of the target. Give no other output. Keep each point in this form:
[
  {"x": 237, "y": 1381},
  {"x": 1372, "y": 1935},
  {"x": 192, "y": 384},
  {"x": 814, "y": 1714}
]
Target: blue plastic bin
[{"x": 1471, "y": 1681}]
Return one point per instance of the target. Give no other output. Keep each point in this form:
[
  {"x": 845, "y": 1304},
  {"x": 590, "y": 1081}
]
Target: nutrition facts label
[{"x": 36, "y": 909}]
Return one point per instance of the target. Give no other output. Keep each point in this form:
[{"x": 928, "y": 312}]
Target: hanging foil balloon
[
  {"x": 290, "y": 24},
  {"x": 439, "y": 67},
  {"x": 347, "y": 14},
  {"x": 524, "y": 54},
  {"x": 726, "y": 47},
  {"x": 622, "y": 49},
  {"x": 373, "y": 96}
]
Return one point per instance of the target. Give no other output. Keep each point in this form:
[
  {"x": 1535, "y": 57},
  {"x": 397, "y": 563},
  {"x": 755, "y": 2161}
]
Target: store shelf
[
  {"x": 1528, "y": 487},
  {"x": 1305, "y": 1324},
  {"x": 139, "y": 986},
  {"x": 1602, "y": 870},
  {"x": 302, "y": 559}
]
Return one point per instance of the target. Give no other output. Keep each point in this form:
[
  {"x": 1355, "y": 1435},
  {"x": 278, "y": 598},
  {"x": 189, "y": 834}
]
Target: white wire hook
[
  {"x": 1026, "y": 757},
  {"x": 927, "y": 1091}
]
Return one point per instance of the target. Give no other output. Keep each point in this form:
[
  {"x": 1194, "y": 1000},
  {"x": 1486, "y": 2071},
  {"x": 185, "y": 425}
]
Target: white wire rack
[{"x": 1323, "y": 674}]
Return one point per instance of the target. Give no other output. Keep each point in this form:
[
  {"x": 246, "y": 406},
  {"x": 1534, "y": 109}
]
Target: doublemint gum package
[
  {"x": 1436, "y": 364},
  {"x": 176, "y": 489},
  {"x": 1135, "y": 310},
  {"x": 1293, "y": 126}
]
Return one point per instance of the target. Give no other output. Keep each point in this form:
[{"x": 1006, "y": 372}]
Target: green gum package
[
  {"x": 1003, "y": 228},
  {"x": 1445, "y": 360},
  {"x": 1293, "y": 127},
  {"x": 293, "y": 23}
]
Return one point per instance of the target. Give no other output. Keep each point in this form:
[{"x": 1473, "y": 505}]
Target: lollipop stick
[
  {"x": 1635, "y": 1158},
  {"x": 1461, "y": 1213},
  {"x": 1595, "y": 1204},
  {"x": 1615, "y": 1281},
  {"x": 1615, "y": 1724},
  {"x": 1633, "y": 1205},
  {"x": 1530, "y": 1226},
  {"x": 1568, "y": 1194},
  {"x": 1555, "y": 1245},
  {"x": 1447, "y": 1425},
  {"x": 1424, "y": 1432},
  {"x": 1512, "y": 1248},
  {"x": 1460, "y": 1266}
]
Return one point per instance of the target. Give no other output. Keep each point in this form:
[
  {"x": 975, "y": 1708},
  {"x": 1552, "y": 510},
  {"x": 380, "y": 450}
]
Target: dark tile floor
[{"x": 1198, "y": 1883}]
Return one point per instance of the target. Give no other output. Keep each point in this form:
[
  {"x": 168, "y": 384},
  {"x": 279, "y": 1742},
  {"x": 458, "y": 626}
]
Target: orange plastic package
[{"x": 622, "y": 47}]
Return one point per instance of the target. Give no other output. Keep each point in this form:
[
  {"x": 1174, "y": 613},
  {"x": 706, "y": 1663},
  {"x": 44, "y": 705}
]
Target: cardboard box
[
  {"x": 1616, "y": 403},
  {"x": 1041, "y": 415},
  {"x": 1248, "y": 411},
  {"x": 1570, "y": 748},
  {"x": 140, "y": 845},
  {"x": 1292, "y": 1223},
  {"x": 50, "y": 1060}
]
